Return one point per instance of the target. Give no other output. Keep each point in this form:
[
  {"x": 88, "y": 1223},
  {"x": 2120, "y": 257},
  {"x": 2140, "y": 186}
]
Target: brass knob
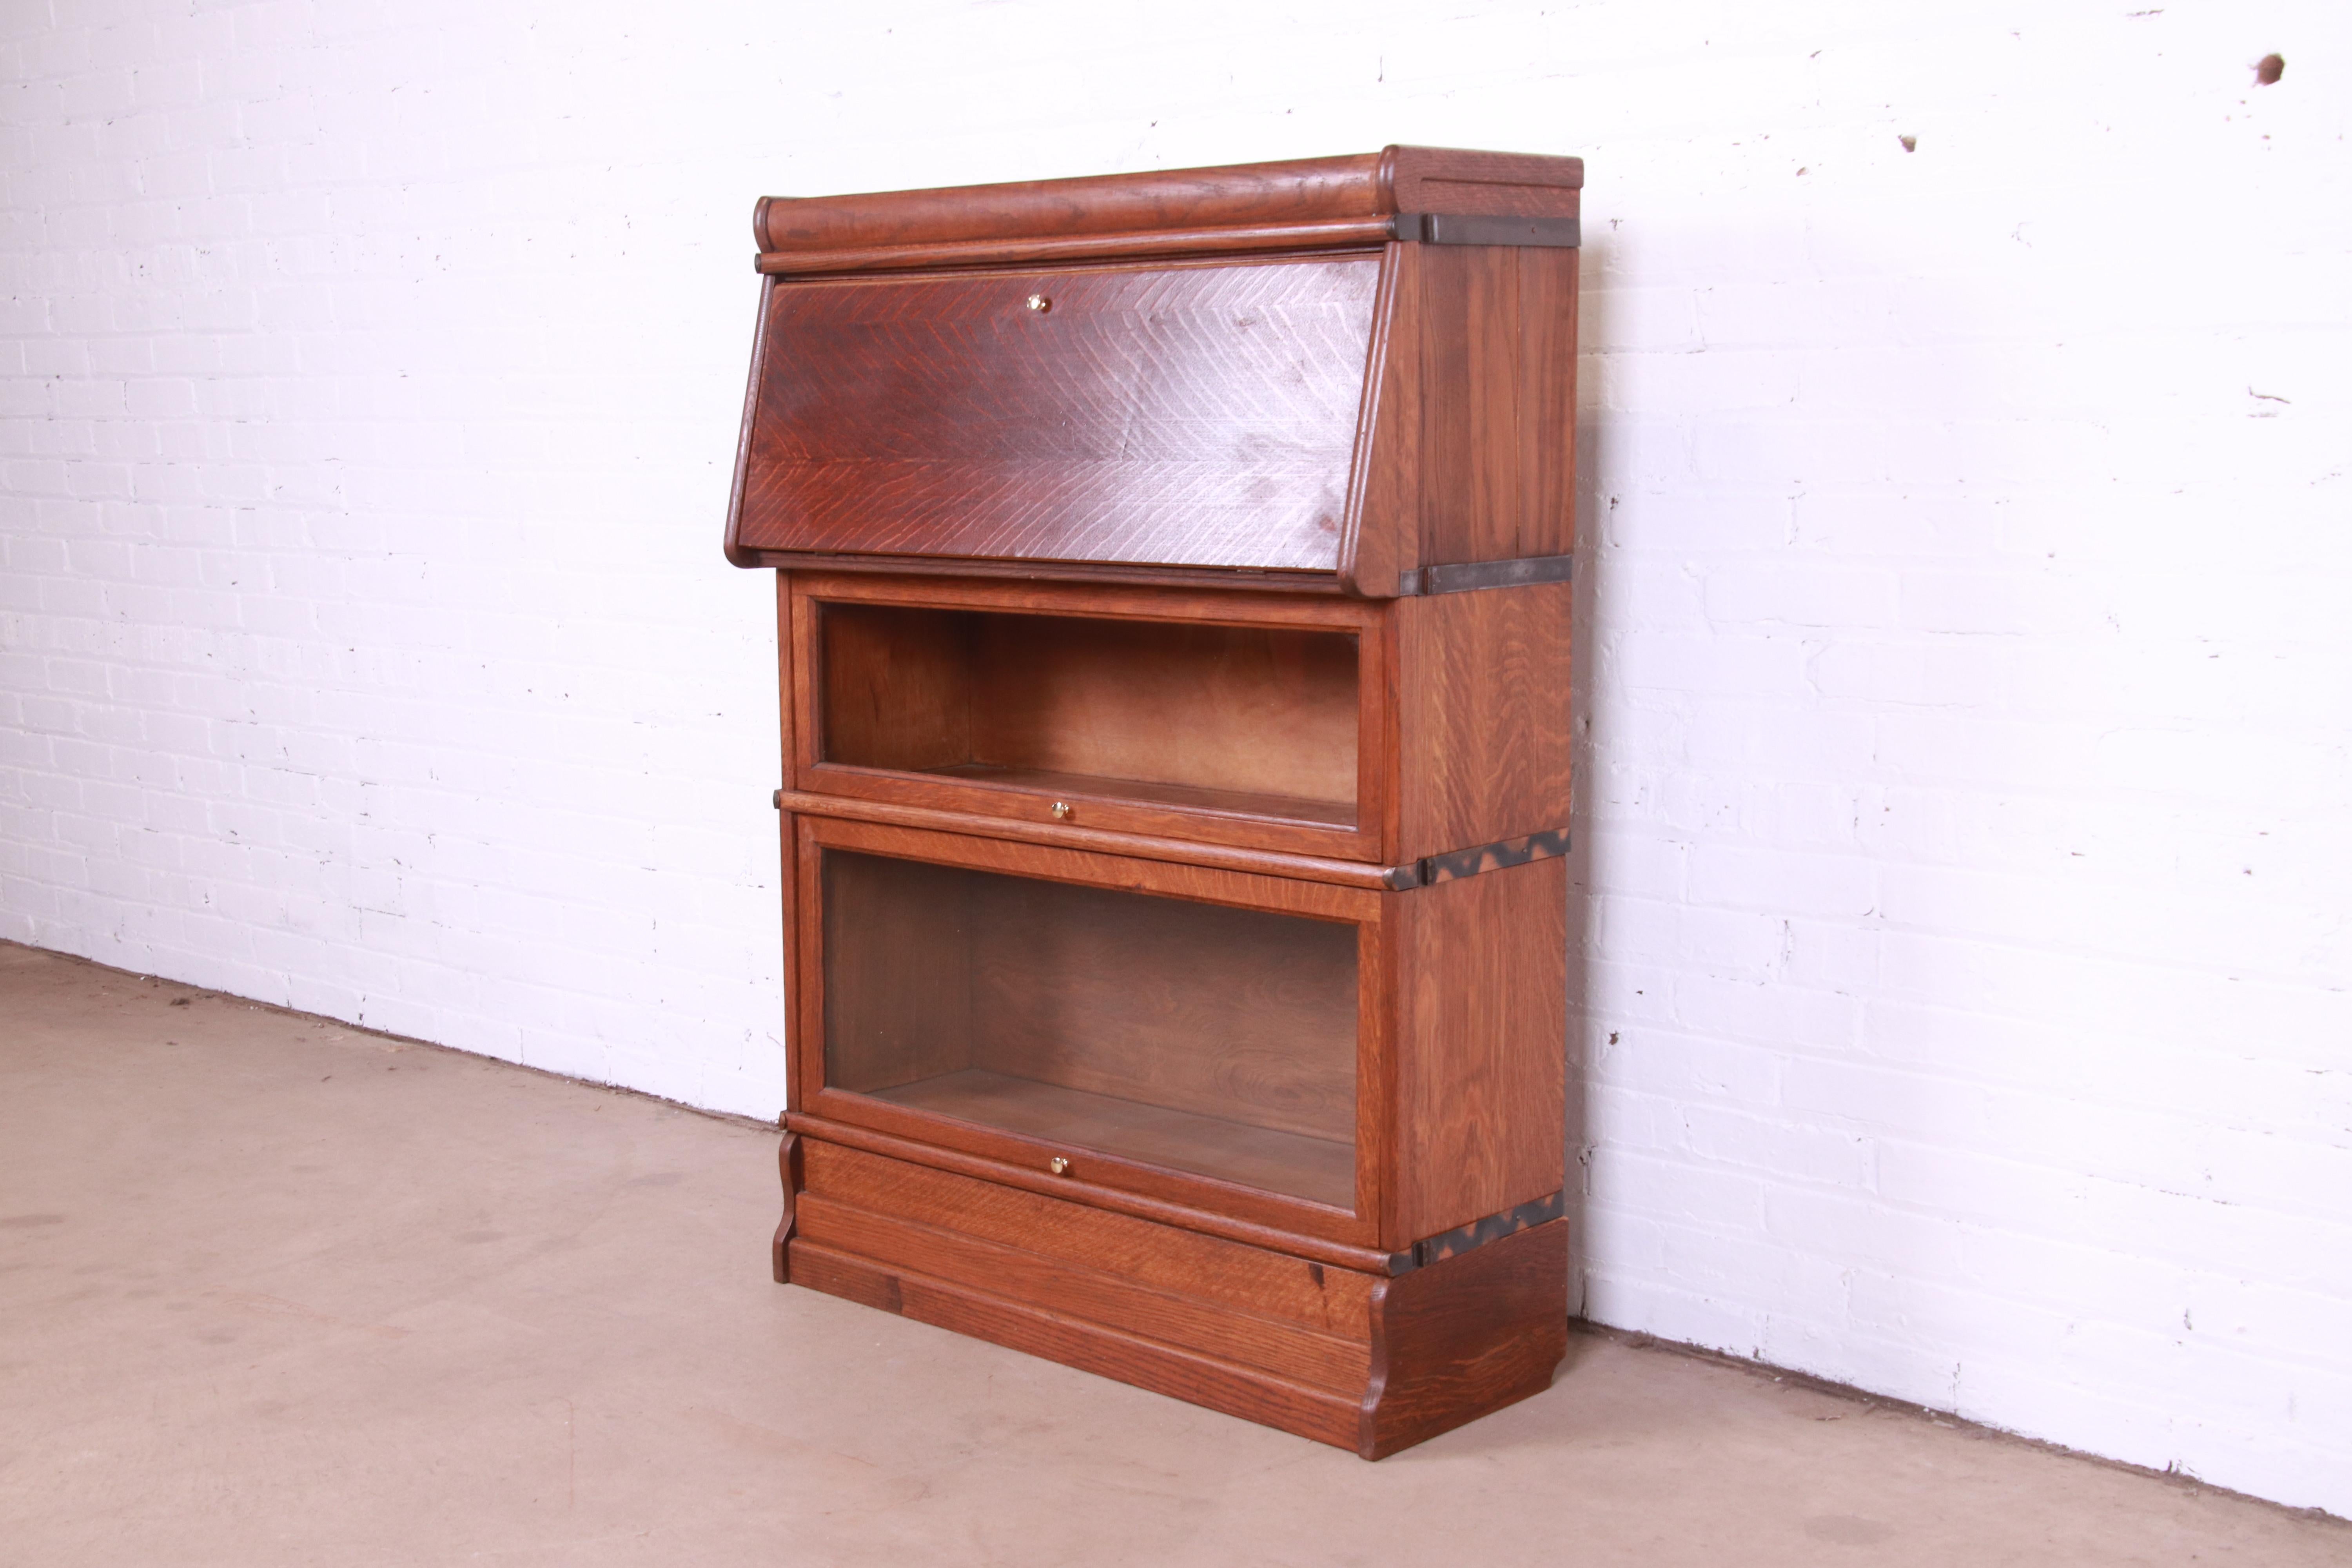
[
  {"x": 1062, "y": 810},
  {"x": 1059, "y": 1166},
  {"x": 1039, "y": 303}
]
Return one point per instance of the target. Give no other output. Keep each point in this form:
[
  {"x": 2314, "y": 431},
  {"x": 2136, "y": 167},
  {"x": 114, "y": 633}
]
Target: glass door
[
  {"x": 1112, "y": 709},
  {"x": 1119, "y": 1029}
]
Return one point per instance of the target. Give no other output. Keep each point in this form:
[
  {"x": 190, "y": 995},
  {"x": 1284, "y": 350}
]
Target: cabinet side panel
[
  {"x": 1498, "y": 408},
  {"x": 1383, "y": 523},
  {"x": 1483, "y": 744},
  {"x": 1481, "y": 1061},
  {"x": 800, "y": 1079},
  {"x": 898, "y": 982},
  {"x": 1546, "y": 402},
  {"x": 1469, "y": 436},
  {"x": 1467, "y": 1336}
]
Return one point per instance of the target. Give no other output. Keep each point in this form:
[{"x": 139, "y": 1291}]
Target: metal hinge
[
  {"x": 1431, "y": 870},
  {"x": 1477, "y": 1233},
  {"x": 1453, "y": 228},
  {"x": 1465, "y": 576}
]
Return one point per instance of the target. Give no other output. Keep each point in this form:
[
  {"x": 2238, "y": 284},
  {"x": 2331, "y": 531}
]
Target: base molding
[{"x": 1356, "y": 1360}]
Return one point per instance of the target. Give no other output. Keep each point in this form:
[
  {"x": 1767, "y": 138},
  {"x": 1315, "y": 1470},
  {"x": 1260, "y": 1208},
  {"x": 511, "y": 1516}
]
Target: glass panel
[
  {"x": 1259, "y": 721},
  {"x": 1214, "y": 1040}
]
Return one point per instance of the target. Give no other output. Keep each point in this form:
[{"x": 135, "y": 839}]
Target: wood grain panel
[
  {"x": 1468, "y": 452},
  {"x": 801, "y": 1066},
  {"x": 1480, "y": 1063},
  {"x": 1200, "y": 883},
  {"x": 1469, "y": 467},
  {"x": 1483, "y": 736},
  {"x": 1303, "y": 190},
  {"x": 916, "y": 568},
  {"x": 1257, "y": 1335},
  {"x": 1219, "y": 713},
  {"x": 1286, "y": 1349},
  {"x": 1267, "y": 710},
  {"x": 1381, "y": 532},
  {"x": 1189, "y": 1375},
  {"x": 1546, "y": 412},
  {"x": 1227, "y": 240},
  {"x": 1190, "y": 605},
  {"x": 1288, "y": 1226},
  {"x": 790, "y": 1170},
  {"x": 1466, "y": 1337},
  {"x": 1322, "y": 1297},
  {"x": 1107, "y": 788},
  {"x": 943, "y": 819},
  {"x": 1177, "y": 416}
]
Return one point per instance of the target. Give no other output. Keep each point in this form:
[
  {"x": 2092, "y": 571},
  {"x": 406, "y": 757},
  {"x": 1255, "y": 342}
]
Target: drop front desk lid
[{"x": 1349, "y": 375}]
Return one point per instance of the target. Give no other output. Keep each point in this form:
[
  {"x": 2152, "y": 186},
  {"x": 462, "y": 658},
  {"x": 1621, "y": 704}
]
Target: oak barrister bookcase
[{"x": 1172, "y": 574}]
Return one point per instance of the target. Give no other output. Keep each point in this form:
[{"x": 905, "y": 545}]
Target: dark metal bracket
[
  {"x": 1454, "y": 228},
  {"x": 1477, "y": 1233},
  {"x": 1467, "y": 576},
  {"x": 1431, "y": 870}
]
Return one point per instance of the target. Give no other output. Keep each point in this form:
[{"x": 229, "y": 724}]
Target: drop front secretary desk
[{"x": 1171, "y": 574}]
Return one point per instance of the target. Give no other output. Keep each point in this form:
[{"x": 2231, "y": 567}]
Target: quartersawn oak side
[
  {"x": 1483, "y": 726},
  {"x": 1466, "y": 451},
  {"x": 1464, "y": 1338},
  {"x": 1480, "y": 1067}
]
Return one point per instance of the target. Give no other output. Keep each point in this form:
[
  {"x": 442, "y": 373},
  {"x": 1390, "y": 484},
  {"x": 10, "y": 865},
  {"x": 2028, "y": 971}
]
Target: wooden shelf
[
  {"x": 1226, "y": 802},
  {"x": 1312, "y": 1168}
]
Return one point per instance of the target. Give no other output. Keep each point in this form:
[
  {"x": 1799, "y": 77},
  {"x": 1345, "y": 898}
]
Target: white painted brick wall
[{"x": 1964, "y": 840}]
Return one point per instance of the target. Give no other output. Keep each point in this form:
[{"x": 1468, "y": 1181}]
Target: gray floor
[{"x": 275, "y": 1291}]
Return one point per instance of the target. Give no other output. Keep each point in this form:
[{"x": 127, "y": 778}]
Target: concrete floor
[{"x": 275, "y": 1290}]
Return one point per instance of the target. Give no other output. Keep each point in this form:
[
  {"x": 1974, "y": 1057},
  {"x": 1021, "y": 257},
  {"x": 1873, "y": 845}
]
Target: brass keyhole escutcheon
[
  {"x": 1059, "y": 1166},
  {"x": 1039, "y": 303},
  {"x": 1064, "y": 811}
]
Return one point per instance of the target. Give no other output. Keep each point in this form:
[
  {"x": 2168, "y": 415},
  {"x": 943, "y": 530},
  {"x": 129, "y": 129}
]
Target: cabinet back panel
[
  {"x": 898, "y": 687},
  {"x": 1197, "y": 415},
  {"x": 1245, "y": 710},
  {"x": 1238, "y": 1014}
]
